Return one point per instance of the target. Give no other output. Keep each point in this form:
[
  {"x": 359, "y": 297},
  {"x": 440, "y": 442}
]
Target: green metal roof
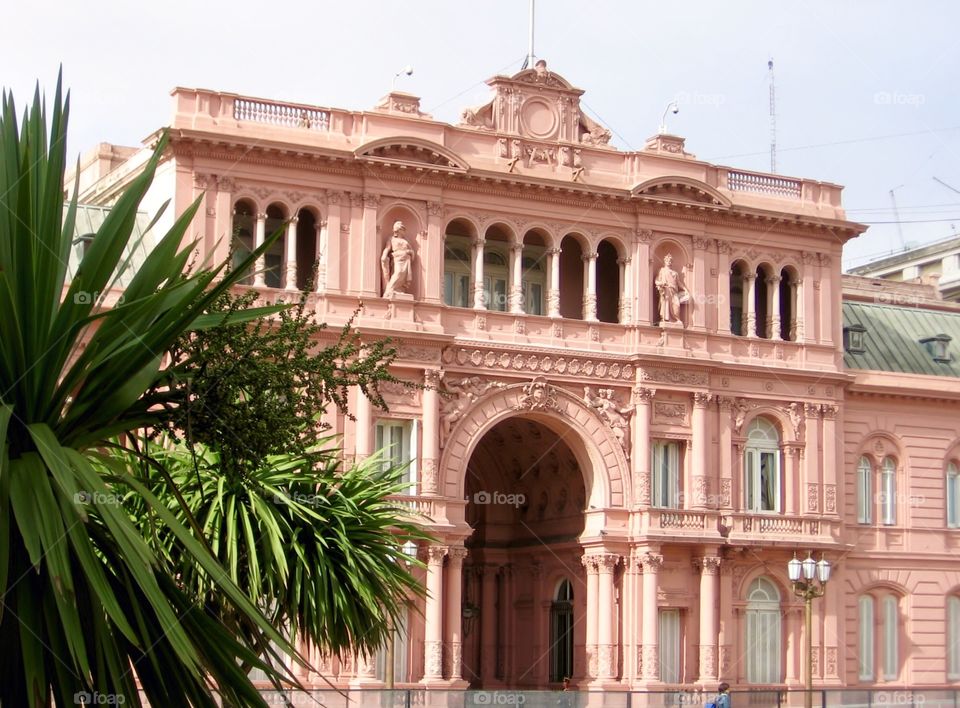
[
  {"x": 89, "y": 219},
  {"x": 892, "y": 338}
]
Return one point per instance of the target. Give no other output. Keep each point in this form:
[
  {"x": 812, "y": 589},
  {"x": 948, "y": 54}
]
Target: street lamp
[{"x": 809, "y": 578}]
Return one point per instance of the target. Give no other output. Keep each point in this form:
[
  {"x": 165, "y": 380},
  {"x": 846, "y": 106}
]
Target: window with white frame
[
  {"x": 891, "y": 633},
  {"x": 495, "y": 279},
  {"x": 888, "y": 491},
  {"x": 534, "y": 282},
  {"x": 398, "y": 645},
  {"x": 397, "y": 439},
  {"x": 953, "y": 495},
  {"x": 953, "y": 638},
  {"x": 763, "y": 642},
  {"x": 665, "y": 470},
  {"x": 761, "y": 465},
  {"x": 456, "y": 272},
  {"x": 669, "y": 646},
  {"x": 865, "y": 660},
  {"x": 864, "y": 491}
]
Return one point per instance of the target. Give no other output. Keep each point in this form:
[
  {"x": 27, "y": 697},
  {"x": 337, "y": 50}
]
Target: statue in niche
[
  {"x": 401, "y": 253},
  {"x": 672, "y": 292}
]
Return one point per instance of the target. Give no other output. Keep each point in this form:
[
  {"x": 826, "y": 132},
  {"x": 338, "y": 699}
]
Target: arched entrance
[{"x": 525, "y": 501}]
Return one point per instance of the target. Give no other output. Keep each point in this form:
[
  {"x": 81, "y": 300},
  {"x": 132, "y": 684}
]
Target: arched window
[
  {"x": 761, "y": 466},
  {"x": 865, "y": 660},
  {"x": 864, "y": 491},
  {"x": 953, "y": 495},
  {"x": 888, "y": 491},
  {"x": 953, "y": 638},
  {"x": 738, "y": 313},
  {"x": 763, "y": 633},
  {"x": 561, "y": 633}
]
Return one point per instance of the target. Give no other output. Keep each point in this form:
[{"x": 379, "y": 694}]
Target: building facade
[{"x": 640, "y": 398}]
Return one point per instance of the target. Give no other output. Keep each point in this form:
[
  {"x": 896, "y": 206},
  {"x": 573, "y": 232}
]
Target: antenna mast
[
  {"x": 773, "y": 118},
  {"x": 896, "y": 215},
  {"x": 529, "y": 62}
]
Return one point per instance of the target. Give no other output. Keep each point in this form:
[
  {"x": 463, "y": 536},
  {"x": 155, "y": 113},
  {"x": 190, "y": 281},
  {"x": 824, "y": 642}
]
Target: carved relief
[
  {"x": 538, "y": 395},
  {"x": 708, "y": 660},
  {"x": 830, "y": 498},
  {"x": 795, "y": 412},
  {"x": 831, "y": 661},
  {"x": 429, "y": 483},
  {"x": 460, "y": 394},
  {"x": 726, "y": 492},
  {"x": 538, "y": 362},
  {"x": 675, "y": 376},
  {"x": 664, "y": 411},
  {"x": 615, "y": 415},
  {"x": 813, "y": 497}
]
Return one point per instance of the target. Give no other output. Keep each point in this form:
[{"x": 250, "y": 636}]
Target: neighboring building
[
  {"x": 935, "y": 263},
  {"x": 645, "y": 406}
]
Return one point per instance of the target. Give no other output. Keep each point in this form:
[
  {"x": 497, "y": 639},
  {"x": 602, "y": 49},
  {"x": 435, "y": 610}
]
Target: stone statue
[
  {"x": 672, "y": 292},
  {"x": 400, "y": 251},
  {"x": 592, "y": 132},
  {"x": 612, "y": 413},
  {"x": 460, "y": 395}
]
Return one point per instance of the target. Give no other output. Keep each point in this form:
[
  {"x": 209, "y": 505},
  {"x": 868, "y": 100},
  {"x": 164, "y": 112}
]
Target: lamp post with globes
[{"x": 809, "y": 578}]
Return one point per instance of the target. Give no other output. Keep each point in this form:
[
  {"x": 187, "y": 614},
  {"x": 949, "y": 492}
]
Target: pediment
[
  {"x": 681, "y": 190},
  {"x": 411, "y": 153}
]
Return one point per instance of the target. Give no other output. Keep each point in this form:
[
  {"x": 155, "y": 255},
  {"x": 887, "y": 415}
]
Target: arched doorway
[{"x": 526, "y": 496}]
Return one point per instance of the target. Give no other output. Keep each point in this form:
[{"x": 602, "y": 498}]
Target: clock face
[{"x": 539, "y": 118}]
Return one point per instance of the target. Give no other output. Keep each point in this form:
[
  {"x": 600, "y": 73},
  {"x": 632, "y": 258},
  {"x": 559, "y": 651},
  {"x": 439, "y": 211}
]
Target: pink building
[{"x": 647, "y": 390}]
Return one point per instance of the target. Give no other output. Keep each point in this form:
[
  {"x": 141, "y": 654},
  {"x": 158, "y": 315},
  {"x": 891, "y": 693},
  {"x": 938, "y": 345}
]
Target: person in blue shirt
[{"x": 723, "y": 695}]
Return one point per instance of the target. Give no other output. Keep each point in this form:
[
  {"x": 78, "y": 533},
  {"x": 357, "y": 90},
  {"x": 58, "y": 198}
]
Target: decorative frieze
[
  {"x": 675, "y": 376},
  {"x": 544, "y": 363}
]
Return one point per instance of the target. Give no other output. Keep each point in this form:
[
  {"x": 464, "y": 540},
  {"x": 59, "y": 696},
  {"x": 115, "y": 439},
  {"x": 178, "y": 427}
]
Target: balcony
[{"x": 738, "y": 528}]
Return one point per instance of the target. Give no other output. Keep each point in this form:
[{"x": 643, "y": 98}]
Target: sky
[{"x": 867, "y": 93}]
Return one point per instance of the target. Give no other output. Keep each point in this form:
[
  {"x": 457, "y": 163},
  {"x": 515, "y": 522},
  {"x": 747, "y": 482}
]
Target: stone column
[
  {"x": 651, "y": 618},
  {"x": 320, "y": 257},
  {"x": 773, "y": 288},
  {"x": 290, "y": 252},
  {"x": 431, "y": 255},
  {"x": 553, "y": 292},
  {"x": 749, "y": 304},
  {"x": 590, "y": 286},
  {"x": 808, "y": 317},
  {"x": 811, "y": 457},
  {"x": 726, "y": 633},
  {"x": 488, "y": 624},
  {"x": 643, "y": 277},
  {"x": 793, "y": 624},
  {"x": 259, "y": 236},
  {"x": 332, "y": 255},
  {"x": 592, "y": 565},
  {"x": 433, "y": 616},
  {"x": 476, "y": 263},
  {"x": 830, "y": 324},
  {"x": 430, "y": 457},
  {"x": 455, "y": 554},
  {"x": 793, "y": 488},
  {"x": 723, "y": 287},
  {"x": 831, "y": 490},
  {"x": 606, "y": 564},
  {"x": 220, "y": 242},
  {"x": 364, "y": 426},
  {"x": 709, "y": 599},
  {"x": 795, "y": 304},
  {"x": 640, "y": 459},
  {"x": 516, "y": 278},
  {"x": 624, "y": 314},
  {"x": 701, "y": 445},
  {"x": 369, "y": 252},
  {"x": 696, "y": 307},
  {"x": 725, "y": 458}
]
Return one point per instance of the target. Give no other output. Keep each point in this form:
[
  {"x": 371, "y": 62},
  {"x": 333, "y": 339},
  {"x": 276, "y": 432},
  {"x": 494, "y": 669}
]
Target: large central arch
[{"x": 600, "y": 456}]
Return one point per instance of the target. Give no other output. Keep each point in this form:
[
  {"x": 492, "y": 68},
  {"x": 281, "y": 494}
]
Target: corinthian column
[
  {"x": 709, "y": 598},
  {"x": 259, "y": 236},
  {"x": 433, "y": 614},
  {"x": 590, "y": 287},
  {"x": 429, "y": 484},
  {"x": 640, "y": 459},
  {"x": 290, "y": 251},
  {"x": 591, "y": 564},
  {"x": 516, "y": 278},
  {"x": 553, "y": 291},
  {"x": 476, "y": 255},
  {"x": 651, "y": 618},
  {"x": 456, "y": 554},
  {"x": 606, "y": 564},
  {"x": 750, "y": 304}
]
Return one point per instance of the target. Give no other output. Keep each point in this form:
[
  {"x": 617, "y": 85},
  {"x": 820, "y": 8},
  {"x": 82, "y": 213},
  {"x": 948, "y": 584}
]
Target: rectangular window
[
  {"x": 891, "y": 629},
  {"x": 953, "y": 638},
  {"x": 865, "y": 638},
  {"x": 665, "y": 468},
  {"x": 398, "y": 441},
  {"x": 763, "y": 646},
  {"x": 272, "y": 264},
  {"x": 864, "y": 492},
  {"x": 495, "y": 293},
  {"x": 762, "y": 473},
  {"x": 398, "y": 646},
  {"x": 456, "y": 289},
  {"x": 953, "y": 498},
  {"x": 670, "y": 646},
  {"x": 888, "y": 490},
  {"x": 532, "y": 298}
]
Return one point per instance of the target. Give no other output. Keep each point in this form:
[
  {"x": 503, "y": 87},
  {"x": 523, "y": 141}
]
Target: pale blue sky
[{"x": 846, "y": 73}]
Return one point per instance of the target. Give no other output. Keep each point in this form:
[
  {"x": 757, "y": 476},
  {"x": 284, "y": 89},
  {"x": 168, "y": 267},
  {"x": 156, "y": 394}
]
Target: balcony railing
[
  {"x": 287, "y": 115},
  {"x": 680, "y": 519},
  {"x": 764, "y": 184}
]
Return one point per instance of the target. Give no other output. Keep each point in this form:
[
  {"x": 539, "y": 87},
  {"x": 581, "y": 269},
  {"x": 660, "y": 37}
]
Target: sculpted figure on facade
[
  {"x": 396, "y": 263},
  {"x": 592, "y": 133},
  {"x": 459, "y": 395},
  {"x": 611, "y": 412},
  {"x": 672, "y": 292}
]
